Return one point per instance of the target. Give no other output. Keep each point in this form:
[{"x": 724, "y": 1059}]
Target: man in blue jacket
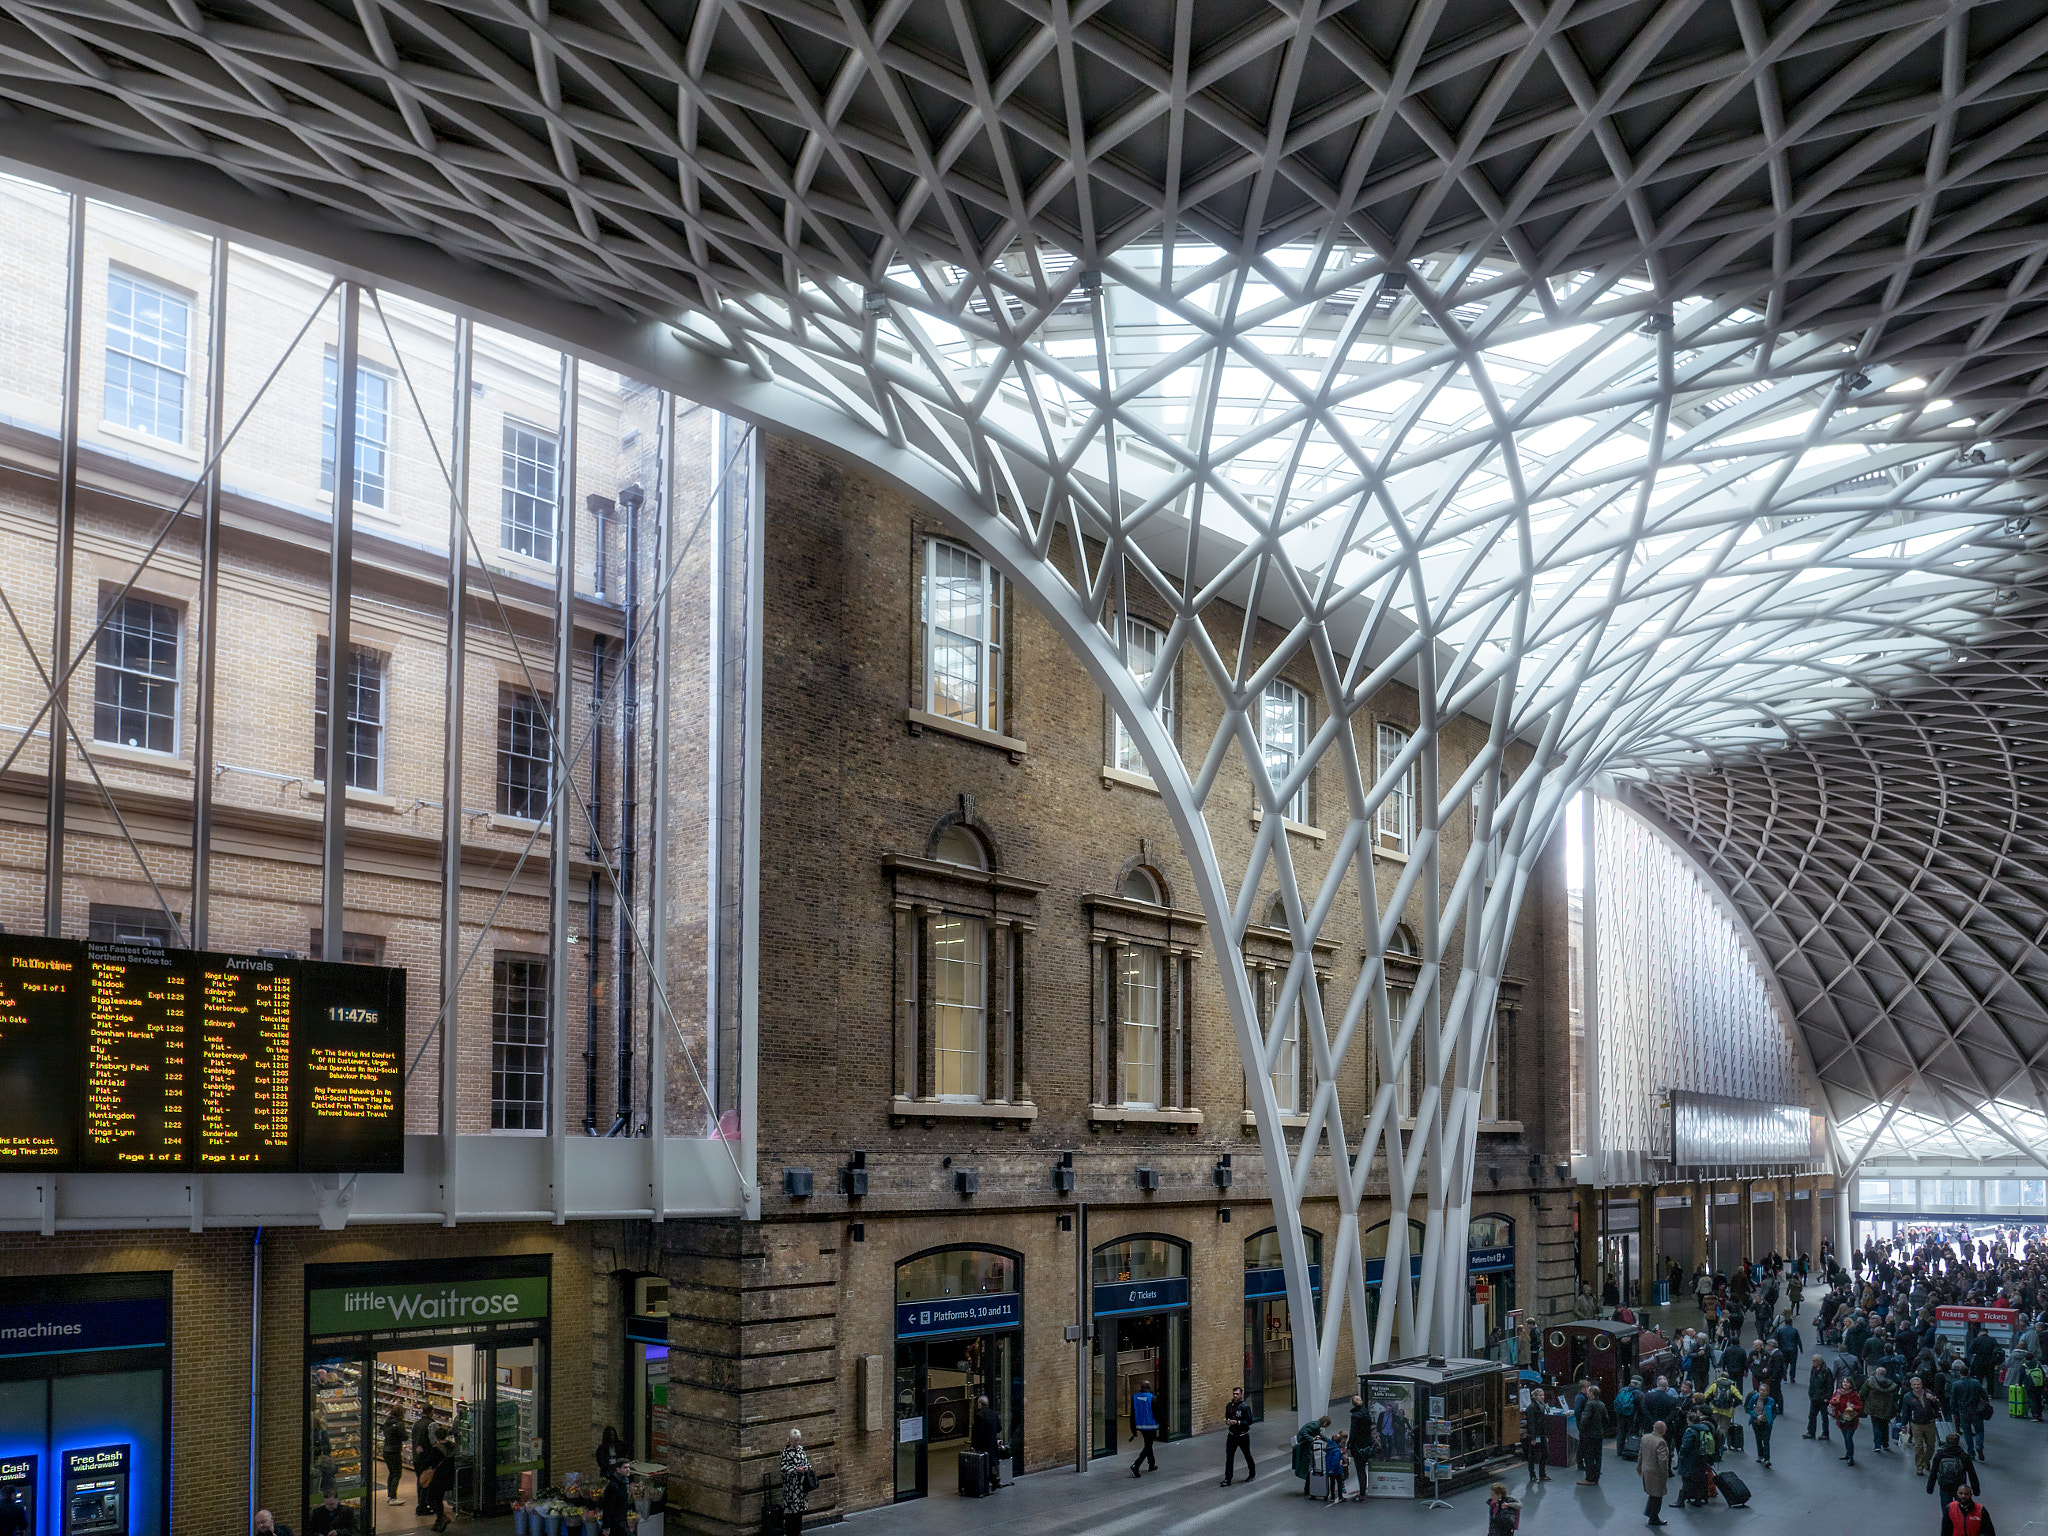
[
  {"x": 1786, "y": 1337},
  {"x": 1145, "y": 1424}
]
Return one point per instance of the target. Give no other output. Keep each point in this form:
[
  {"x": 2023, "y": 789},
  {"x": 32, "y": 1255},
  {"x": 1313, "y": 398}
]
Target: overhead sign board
[
  {"x": 133, "y": 1058},
  {"x": 1710, "y": 1131}
]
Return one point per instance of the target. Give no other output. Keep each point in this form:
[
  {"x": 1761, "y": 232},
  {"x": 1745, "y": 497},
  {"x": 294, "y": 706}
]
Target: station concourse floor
[{"x": 1808, "y": 1492}]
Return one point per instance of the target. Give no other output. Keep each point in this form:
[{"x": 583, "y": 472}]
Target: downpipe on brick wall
[{"x": 255, "y": 1362}]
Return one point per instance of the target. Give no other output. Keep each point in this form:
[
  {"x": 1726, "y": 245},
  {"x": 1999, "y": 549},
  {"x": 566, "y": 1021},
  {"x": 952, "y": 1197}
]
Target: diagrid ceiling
[{"x": 1672, "y": 371}]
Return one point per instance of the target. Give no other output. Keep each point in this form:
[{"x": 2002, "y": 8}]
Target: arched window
[
  {"x": 1141, "y": 1258},
  {"x": 960, "y": 845},
  {"x": 1262, "y": 1249},
  {"x": 1140, "y": 885},
  {"x": 946, "y": 1272}
]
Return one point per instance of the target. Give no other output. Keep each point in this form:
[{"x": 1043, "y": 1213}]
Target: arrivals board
[{"x": 118, "y": 1057}]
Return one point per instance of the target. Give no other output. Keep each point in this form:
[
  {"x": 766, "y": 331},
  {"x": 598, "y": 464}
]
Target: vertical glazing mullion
[
  {"x": 340, "y": 593},
  {"x": 60, "y": 609},
  {"x": 560, "y": 753},
  {"x": 207, "y": 627},
  {"x": 451, "y": 772},
  {"x": 658, "y": 834}
]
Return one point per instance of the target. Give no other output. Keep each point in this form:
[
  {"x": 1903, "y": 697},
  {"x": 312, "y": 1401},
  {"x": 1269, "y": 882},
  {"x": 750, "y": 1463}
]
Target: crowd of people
[{"x": 1873, "y": 1353}]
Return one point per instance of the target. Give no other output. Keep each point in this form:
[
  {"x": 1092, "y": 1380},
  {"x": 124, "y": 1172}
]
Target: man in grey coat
[{"x": 1653, "y": 1466}]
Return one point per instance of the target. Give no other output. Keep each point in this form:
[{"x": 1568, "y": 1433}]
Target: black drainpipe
[{"x": 629, "y": 812}]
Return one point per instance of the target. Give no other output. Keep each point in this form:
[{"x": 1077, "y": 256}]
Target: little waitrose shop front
[{"x": 396, "y": 1352}]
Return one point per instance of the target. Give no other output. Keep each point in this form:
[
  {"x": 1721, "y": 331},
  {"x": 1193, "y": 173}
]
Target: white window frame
[
  {"x": 514, "y": 497},
  {"x": 984, "y": 709},
  {"x": 113, "y": 633},
  {"x": 1281, "y": 758},
  {"x": 1143, "y": 646},
  {"x": 1489, "y": 1077},
  {"x": 1394, "y": 823},
  {"x": 959, "y": 984},
  {"x": 1404, "y": 1086},
  {"x": 1286, "y": 1074},
  {"x": 166, "y": 296},
  {"x": 542, "y": 1050},
  {"x": 1141, "y": 993},
  {"x": 373, "y": 485}
]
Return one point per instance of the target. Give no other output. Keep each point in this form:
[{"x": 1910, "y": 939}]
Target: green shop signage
[{"x": 426, "y": 1304}]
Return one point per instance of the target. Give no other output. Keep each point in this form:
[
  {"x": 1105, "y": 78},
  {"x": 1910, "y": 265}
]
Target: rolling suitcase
[
  {"x": 1734, "y": 1436},
  {"x": 974, "y": 1478},
  {"x": 1731, "y": 1488},
  {"x": 2016, "y": 1400}
]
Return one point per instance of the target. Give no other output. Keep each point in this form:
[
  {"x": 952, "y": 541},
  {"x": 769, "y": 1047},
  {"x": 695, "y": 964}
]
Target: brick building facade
[{"x": 883, "y": 817}]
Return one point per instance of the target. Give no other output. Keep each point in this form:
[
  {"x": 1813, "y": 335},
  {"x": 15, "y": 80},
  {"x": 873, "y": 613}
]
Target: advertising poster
[{"x": 1390, "y": 1459}]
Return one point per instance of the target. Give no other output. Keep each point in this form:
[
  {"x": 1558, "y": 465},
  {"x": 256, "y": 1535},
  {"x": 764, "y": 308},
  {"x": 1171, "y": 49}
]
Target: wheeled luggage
[
  {"x": 974, "y": 1476},
  {"x": 1734, "y": 1436},
  {"x": 1319, "y": 1485},
  {"x": 2016, "y": 1400},
  {"x": 1731, "y": 1488}
]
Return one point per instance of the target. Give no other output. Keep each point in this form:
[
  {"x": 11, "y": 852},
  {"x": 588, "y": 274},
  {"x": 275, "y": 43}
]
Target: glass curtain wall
[{"x": 192, "y": 670}]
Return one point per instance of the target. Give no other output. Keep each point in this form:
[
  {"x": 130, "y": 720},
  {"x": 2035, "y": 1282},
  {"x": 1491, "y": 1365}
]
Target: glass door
[{"x": 512, "y": 1459}]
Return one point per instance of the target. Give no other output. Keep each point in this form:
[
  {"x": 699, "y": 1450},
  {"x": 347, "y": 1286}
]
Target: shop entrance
[
  {"x": 377, "y": 1398},
  {"x": 1268, "y": 1324},
  {"x": 958, "y": 1342},
  {"x": 1490, "y": 1275},
  {"x": 1141, "y": 1338}
]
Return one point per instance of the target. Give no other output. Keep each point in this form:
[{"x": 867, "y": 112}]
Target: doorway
[
  {"x": 485, "y": 1402},
  {"x": 939, "y": 1384},
  {"x": 1150, "y": 1350}
]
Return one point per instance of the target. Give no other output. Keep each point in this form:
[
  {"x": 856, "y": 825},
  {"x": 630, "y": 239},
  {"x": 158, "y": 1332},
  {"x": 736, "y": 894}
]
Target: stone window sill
[
  {"x": 149, "y": 440},
  {"x": 1129, "y": 780},
  {"x": 517, "y": 824},
  {"x": 1250, "y": 1122},
  {"x": 136, "y": 757},
  {"x": 919, "y": 721},
  {"x": 1390, "y": 855},
  {"x": 1298, "y": 828},
  {"x": 1500, "y": 1127},
  {"x": 1104, "y": 1114},
  {"x": 313, "y": 789},
  {"x": 902, "y": 1109}
]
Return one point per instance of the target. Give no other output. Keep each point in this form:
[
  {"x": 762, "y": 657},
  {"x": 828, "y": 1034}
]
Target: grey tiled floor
[{"x": 1809, "y": 1492}]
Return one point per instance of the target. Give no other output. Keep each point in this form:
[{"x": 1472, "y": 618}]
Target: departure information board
[{"x": 126, "y": 1056}]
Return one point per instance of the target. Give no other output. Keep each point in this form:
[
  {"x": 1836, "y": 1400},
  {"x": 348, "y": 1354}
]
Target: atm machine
[
  {"x": 18, "y": 1486},
  {"x": 96, "y": 1491}
]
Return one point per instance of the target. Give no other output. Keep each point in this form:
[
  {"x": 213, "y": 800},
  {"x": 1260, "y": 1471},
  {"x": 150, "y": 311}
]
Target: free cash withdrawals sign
[{"x": 425, "y": 1304}]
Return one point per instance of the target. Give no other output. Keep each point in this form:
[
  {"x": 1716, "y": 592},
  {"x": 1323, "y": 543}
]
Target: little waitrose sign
[{"x": 447, "y": 1303}]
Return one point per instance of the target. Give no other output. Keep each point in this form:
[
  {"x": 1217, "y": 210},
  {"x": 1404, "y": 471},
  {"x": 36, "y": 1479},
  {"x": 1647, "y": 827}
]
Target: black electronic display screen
[
  {"x": 40, "y": 992},
  {"x": 136, "y": 1080},
  {"x": 351, "y": 1052},
  {"x": 244, "y": 1014},
  {"x": 129, "y": 1057}
]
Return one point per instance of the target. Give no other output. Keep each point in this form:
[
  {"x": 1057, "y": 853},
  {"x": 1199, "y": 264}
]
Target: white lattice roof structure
[{"x": 1658, "y": 381}]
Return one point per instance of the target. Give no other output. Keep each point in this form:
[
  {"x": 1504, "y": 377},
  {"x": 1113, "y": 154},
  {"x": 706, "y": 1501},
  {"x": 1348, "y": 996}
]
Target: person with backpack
[
  {"x": 2037, "y": 1385},
  {"x": 1697, "y": 1453},
  {"x": 1628, "y": 1410},
  {"x": 1846, "y": 1407},
  {"x": 1503, "y": 1514},
  {"x": 1952, "y": 1469},
  {"x": 1881, "y": 1402},
  {"x": 1653, "y": 1466},
  {"x": 1820, "y": 1386},
  {"x": 1763, "y": 1410},
  {"x": 1967, "y": 1410},
  {"x": 1964, "y": 1516}
]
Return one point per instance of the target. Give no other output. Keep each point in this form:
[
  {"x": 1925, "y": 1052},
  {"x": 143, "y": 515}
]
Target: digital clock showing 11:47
[{"x": 352, "y": 1015}]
